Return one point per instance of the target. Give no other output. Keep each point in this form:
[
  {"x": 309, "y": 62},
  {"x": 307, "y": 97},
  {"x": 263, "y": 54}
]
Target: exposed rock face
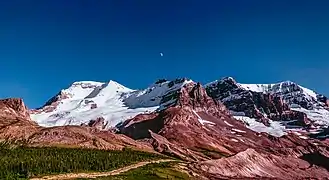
[
  {"x": 179, "y": 123},
  {"x": 60, "y": 96},
  {"x": 251, "y": 164},
  {"x": 196, "y": 128},
  {"x": 15, "y": 122},
  {"x": 194, "y": 96},
  {"x": 162, "y": 145},
  {"x": 260, "y": 105},
  {"x": 13, "y": 108},
  {"x": 204, "y": 127},
  {"x": 52, "y": 103},
  {"x": 98, "y": 123}
]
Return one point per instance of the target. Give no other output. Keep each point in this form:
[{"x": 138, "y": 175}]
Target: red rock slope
[{"x": 198, "y": 128}]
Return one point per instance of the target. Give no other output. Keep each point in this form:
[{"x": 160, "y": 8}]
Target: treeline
[{"x": 25, "y": 162}]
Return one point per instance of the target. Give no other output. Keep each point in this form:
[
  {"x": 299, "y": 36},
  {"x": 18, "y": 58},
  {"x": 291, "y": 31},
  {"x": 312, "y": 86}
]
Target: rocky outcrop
[
  {"x": 60, "y": 96},
  {"x": 162, "y": 145},
  {"x": 52, "y": 103},
  {"x": 179, "y": 123},
  {"x": 13, "y": 108},
  {"x": 98, "y": 123},
  {"x": 15, "y": 122},
  {"x": 194, "y": 96},
  {"x": 251, "y": 164},
  {"x": 260, "y": 105}
]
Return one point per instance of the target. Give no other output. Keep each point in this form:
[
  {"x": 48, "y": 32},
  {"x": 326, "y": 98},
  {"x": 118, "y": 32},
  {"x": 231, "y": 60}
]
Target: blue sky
[{"x": 47, "y": 45}]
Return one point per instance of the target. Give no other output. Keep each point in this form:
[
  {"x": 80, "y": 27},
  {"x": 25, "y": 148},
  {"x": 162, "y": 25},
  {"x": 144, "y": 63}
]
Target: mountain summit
[{"x": 86, "y": 101}]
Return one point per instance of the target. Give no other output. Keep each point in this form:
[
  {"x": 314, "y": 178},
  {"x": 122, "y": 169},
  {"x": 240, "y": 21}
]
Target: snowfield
[
  {"x": 275, "y": 128},
  {"x": 88, "y": 100}
]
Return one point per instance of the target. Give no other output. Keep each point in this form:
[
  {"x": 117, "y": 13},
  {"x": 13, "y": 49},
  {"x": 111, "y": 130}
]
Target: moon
[{"x": 161, "y": 54}]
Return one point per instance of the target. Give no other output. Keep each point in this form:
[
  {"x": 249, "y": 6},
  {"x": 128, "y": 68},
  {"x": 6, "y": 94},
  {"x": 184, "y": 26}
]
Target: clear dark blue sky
[{"x": 47, "y": 45}]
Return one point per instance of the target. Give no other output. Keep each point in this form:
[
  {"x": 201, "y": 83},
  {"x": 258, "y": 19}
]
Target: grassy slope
[{"x": 160, "y": 171}]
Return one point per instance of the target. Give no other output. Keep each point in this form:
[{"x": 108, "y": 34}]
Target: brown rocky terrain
[
  {"x": 252, "y": 164},
  {"x": 15, "y": 122},
  {"x": 197, "y": 128},
  {"x": 16, "y": 125}
]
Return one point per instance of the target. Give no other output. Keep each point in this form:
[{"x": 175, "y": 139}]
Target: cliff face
[
  {"x": 286, "y": 102},
  {"x": 13, "y": 108}
]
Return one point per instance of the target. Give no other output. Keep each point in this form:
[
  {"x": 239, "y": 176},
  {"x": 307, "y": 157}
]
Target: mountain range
[
  {"x": 273, "y": 108},
  {"x": 224, "y": 129}
]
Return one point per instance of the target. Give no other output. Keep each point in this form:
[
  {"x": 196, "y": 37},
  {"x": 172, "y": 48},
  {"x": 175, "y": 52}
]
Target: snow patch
[
  {"x": 303, "y": 137},
  {"x": 256, "y": 87},
  {"x": 228, "y": 123},
  {"x": 275, "y": 128},
  {"x": 319, "y": 116},
  {"x": 201, "y": 120},
  {"x": 234, "y": 140},
  {"x": 309, "y": 92},
  {"x": 238, "y": 130}
]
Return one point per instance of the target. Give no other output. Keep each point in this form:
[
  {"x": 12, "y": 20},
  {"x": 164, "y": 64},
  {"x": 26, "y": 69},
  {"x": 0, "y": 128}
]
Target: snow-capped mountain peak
[
  {"x": 84, "y": 101},
  {"x": 279, "y": 87},
  {"x": 291, "y": 91},
  {"x": 285, "y": 87},
  {"x": 154, "y": 94},
  {"x": 283, "y": 102}
]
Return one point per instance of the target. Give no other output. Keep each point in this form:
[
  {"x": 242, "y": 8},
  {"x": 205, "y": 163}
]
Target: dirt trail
[{"x": 100, "y": 174}]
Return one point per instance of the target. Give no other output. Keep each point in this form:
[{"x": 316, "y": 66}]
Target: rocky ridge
[{"x": 298, "y": 108}]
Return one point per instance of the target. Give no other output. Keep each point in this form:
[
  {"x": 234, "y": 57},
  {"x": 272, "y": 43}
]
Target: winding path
[{"x": 100, "y": 174}]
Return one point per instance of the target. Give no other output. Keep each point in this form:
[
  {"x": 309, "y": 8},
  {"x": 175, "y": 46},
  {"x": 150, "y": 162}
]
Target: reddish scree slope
[{"x": 197, "y": 128}]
